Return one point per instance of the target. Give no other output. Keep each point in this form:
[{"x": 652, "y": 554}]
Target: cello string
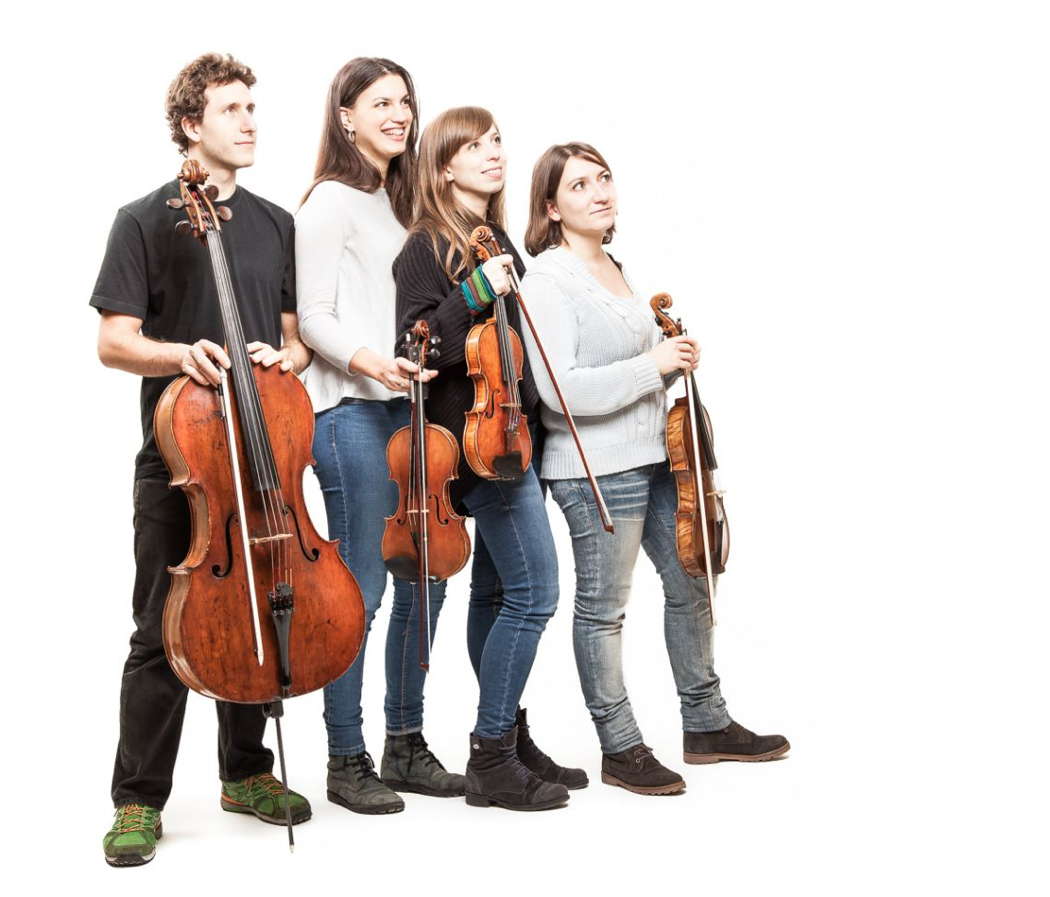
[
  {"x": 248, "y": 394},
  {"x": 238, "y": 363}
]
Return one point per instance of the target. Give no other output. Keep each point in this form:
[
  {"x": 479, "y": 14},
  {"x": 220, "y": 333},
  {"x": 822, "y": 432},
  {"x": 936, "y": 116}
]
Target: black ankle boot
[
  {"x": 541, "y": 764},
  {"x": 495, "y": 776}
]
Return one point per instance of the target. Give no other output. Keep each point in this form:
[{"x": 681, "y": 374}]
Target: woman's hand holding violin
[{"x": 679, "y": 353}]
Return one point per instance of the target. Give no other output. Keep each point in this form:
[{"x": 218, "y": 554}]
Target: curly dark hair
[{"x": 186, "y": 94}]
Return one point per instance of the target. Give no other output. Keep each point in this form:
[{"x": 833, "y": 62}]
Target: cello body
[{"x": 208, "y": 633}]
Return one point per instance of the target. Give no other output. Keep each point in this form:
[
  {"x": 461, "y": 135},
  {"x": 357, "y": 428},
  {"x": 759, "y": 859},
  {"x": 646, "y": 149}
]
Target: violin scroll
[
  {"x": 483, "y": 244},
  {"x": 659, "y": 303}
]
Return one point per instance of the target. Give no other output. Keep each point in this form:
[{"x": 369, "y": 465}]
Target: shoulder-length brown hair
[
  {"x": 544, "y": 232},
  {"x": 338, "y": 159},
  {"x": 437, "y": 213}
]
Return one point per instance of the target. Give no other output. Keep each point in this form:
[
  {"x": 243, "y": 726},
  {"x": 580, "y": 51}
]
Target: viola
[
  {"x": 485, "y": 246},
  {"x": 701, "y": 527},
  {"x": 262, "y": 608},
  {"x": 424, "y": 539}
]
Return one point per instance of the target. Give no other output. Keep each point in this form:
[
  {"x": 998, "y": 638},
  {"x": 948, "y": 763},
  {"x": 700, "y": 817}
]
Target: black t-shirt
[{"x": 166, "y": 279}]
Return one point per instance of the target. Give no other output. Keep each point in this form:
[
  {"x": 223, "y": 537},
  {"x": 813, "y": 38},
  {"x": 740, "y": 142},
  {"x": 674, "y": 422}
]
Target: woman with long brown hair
[
  {"x": 514, "y": 581},
  {"x": 348, "y": 231},
  {"x": 605, "y": 349}
]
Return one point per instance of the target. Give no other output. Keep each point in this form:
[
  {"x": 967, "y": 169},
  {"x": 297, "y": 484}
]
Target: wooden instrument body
[
  {"x": 208, "y": 633},
  {"x": 447, "y": 539},
  {"x": 495, "y": 450},
  {"x": 693, "y": 484}
]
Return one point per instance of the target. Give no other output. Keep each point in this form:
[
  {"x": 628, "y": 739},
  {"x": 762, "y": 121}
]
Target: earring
[{"x": 352, "y": 134}]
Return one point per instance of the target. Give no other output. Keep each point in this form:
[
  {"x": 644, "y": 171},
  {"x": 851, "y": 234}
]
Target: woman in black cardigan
[{"x": 514, "y": 580}]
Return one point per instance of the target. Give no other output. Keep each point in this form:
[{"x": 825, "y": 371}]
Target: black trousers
[{"x": 152, "y": 699}]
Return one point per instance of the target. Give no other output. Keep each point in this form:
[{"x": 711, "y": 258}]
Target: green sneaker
[
  {"x": 263, "y": 795},
  {"x": 132, "y": 841}
]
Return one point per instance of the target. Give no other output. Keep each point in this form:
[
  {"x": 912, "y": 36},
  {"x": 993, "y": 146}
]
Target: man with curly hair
[{"x": 159, "y": 318}]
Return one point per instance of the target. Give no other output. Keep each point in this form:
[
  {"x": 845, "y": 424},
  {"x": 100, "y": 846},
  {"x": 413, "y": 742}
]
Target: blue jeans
[
  {"x": 350, "y": 449},
  {"x": 642, "y": 502},
  {"x": 513, "y": 593}
]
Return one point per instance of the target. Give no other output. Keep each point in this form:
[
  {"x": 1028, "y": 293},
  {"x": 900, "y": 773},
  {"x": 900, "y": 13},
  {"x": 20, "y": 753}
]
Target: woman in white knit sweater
[
  {"x": 613, "y": 368},
  {"x": 349, "y": 229}
]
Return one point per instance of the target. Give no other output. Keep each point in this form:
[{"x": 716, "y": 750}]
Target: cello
[
  {"x": 701, "y": 526},
  {"x": 493, "y": 425},
  {"x": 424, "y": 539},
  {"x": 262, "y": 608}
]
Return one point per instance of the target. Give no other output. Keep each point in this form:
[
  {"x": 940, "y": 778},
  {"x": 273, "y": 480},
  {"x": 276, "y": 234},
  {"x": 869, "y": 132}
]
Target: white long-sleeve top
[
  {"x": 345, "y": 243},
  {"x": 596, "y": 343}
]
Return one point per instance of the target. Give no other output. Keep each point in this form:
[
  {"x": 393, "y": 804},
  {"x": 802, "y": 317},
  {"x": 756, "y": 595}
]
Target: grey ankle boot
[
  {"x": 353, "y": 783},
  {"x": 409, "y": 765}
]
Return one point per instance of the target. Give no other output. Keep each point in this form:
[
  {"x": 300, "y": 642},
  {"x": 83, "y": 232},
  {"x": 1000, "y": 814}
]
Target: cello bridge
[{"x": 260, "y": 540}]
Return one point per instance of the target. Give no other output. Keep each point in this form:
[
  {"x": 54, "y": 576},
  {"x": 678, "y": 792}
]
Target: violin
[
  {"x": 262, "y": 608},
  {"x": 492, "y": 368},
  {"x": 701, "y": 527},
  {"x": 424, "y": 539},
  {"x": 496, "y": 437}
]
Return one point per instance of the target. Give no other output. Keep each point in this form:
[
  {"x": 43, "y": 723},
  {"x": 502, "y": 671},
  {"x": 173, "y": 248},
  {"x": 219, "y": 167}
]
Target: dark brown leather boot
[
  {"x": 637, "y": 770},
  {"x": 541, "y": 764},
  {"x": 496, "y": 777},
  {"x": 734, "y": 742}
]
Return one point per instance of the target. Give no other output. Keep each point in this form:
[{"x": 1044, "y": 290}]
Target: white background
[{"x": 849, "y": 202}]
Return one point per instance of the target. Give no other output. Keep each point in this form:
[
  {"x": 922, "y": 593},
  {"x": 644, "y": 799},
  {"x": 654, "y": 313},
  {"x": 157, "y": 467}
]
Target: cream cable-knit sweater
[{"x": 596, "y": 343}]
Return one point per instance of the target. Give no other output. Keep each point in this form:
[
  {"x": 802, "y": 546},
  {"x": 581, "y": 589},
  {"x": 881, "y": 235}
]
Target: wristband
[
  {"x": 483, "y": 287},
  {"x": 468, "y": 295}
]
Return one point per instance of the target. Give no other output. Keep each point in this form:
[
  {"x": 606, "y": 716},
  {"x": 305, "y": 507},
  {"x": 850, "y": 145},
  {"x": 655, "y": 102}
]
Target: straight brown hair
[
  {"x": 339, "y": 159},
  {"x": 544, "y": 232},
  {"x": 437, "y": 213}
]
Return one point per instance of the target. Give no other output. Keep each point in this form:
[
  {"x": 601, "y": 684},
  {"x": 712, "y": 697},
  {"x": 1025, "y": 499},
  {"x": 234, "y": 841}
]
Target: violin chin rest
[
  {"x": 403, "y": 567},
  {"x": 508, "y": 466}
]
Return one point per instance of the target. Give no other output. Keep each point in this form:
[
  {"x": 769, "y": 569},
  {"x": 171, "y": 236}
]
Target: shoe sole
[
  {"x": 701, "y": 759},
  {"x": 379, "y": 810},
  {"x": 121, "y": 862},
  {"x": 408, "y": 788},
  {"x": 479, "y": 800},
  {"x": 653, "y": 790},
  {"x": 232, "y": 806}
]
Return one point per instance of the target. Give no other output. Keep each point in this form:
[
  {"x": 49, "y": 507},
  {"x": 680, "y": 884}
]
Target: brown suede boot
[
  {"x": 637, "y": 770},
  {"x": 734, "y": 742}
]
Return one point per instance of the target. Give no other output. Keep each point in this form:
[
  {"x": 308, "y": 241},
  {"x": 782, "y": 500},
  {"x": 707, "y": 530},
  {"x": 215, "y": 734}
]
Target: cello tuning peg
[
  {"x": 211, "y": 191},
  {"x": 175, "y": 203},
  {"x": 434, "y": 353},
  {"x": 224, "y": 213},
  {"x": 183, "y": 228},
  {"x": 435, "y": 341}
]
